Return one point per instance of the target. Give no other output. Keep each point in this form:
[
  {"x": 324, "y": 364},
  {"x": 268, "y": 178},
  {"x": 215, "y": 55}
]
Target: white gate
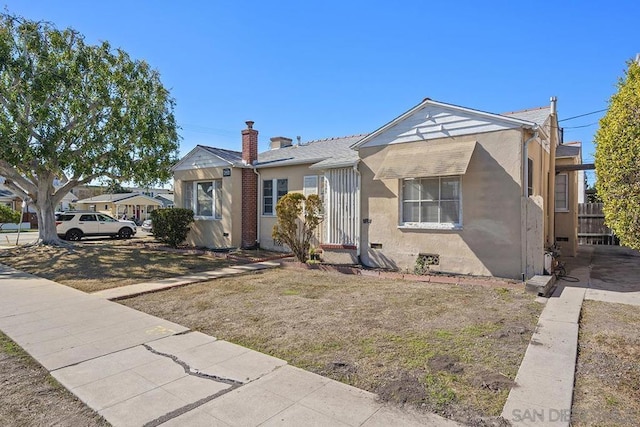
[{"x": 342, "y": 210}]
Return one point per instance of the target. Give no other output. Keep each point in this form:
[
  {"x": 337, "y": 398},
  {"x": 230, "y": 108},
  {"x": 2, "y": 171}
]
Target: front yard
[
  {"x": 607, "y": 386},
  {"x": 452, "y": 349},
  {"x": 93, "y": 265}
]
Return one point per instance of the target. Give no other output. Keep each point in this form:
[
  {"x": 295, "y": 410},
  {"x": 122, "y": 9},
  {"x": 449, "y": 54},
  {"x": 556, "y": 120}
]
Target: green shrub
[
  {"x": 171, "y": 226},
  {"x": 298, "y": 219},
  {"x": 8, "y": 215}
]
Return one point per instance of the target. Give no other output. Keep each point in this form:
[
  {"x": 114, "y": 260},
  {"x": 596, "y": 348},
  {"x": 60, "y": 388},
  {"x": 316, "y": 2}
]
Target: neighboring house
[
  {"x": 135, "y": 206},
  {"x": 7, "y": 198},
  {"x": 569, "y": 190},
  {"x": 210, "y": 181},
  {"x": 166, "y": 199},
  {"x": 582, "y": 180},
  {"x": 463, "y": 190}
]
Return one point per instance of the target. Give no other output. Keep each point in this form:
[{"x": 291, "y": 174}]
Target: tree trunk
[{"x": 45, "y": 211}]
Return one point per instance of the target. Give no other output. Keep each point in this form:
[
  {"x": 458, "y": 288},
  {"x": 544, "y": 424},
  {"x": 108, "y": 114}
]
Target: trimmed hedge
[{"x": 171, "y": 226}]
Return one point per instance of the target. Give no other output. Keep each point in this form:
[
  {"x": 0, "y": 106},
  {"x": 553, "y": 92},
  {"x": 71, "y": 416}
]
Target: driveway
[{"x": 614, "y": 273}]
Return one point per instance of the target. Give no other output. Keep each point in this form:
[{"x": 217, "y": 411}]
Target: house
[
  {"x": 135, "y": 206},
  {"x": 166, "y": 199},
  {"x": 569, "y": 192},
  {"x": 462, "y": 190}
]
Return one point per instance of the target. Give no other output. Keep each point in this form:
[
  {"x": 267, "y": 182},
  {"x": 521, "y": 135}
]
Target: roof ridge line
[{"x": 525, "y": 110}]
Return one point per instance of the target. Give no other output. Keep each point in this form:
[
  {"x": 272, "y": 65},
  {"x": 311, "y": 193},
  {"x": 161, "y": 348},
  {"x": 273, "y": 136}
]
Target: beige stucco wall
[
  {"x": 295, "y": 175},
  {"x": 210, "y": 233},
  {"x": 489, "y": 242},
  {"x": 566, "y": 222}
]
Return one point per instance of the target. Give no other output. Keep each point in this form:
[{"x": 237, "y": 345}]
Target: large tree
[
  {"x": 618, "y": 159},
  {"x": 71, "y": 112}
]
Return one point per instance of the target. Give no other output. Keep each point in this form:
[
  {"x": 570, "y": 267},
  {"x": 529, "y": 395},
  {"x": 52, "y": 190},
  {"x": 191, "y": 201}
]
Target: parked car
[
  {"x": 74, "y": 225},
  {"x": 147, "y": 226}
]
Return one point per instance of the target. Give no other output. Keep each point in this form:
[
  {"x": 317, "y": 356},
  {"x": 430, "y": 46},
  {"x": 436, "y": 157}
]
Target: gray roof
[
  {"x": 117, "y": 197},
  {"x": 323, "y": 153},
  {"x": 534, "y": 115},
  {"x": 567, "y": 151},
  {"x": 228, "y": 155},
  {"x": 6, "y": 193}
]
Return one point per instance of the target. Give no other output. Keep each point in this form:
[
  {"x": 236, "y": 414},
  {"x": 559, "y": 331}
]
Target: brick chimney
[
  {"x": 249, "y": 221},
  {"x": 249, "y": 143}
]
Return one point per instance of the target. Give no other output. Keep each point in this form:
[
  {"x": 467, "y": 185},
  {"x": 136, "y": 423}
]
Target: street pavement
[{"x": 8, "y": 240}]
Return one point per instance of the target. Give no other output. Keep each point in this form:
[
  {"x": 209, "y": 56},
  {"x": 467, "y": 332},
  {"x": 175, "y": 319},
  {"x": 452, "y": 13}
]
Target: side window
[
  {"x": 87, "y": 217},
  {"x": 272, "y": 191},
  {"x": 562, "y": 192}
]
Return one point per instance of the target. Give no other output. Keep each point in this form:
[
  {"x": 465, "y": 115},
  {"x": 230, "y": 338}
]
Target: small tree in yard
[
  {"x": 171, "y": 226},
  {"x": 298, "y": 218},
  {"x": 72, "y": 112},
  {"x": 617, "y": 159},
  {"x": 8, "y": 216}
]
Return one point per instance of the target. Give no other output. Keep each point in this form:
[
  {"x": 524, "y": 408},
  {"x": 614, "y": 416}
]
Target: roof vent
[{"x": 280, "y": 142}]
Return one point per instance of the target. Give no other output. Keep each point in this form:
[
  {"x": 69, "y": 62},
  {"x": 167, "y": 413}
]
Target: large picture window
[
  {"x": 272, "y": 191},
  {"x": 204, "y": 198},
  {"x": 432, "y": 201}
]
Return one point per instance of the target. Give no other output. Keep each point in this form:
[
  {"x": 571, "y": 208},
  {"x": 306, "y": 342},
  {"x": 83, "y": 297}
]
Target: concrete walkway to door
[{"x": 543, "y": 390}]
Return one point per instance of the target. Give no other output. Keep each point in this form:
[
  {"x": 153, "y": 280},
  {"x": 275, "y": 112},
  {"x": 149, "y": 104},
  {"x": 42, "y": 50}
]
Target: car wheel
[
  {"x": 125, "y": 233},
  {"x": 73, "y": 235}
]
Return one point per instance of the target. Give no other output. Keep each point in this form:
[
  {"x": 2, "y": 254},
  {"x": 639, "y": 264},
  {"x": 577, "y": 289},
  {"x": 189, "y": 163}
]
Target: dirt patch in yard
[
  {"x": 452, "y": 349},
  {"x": 31, "y": 397},
  {"x": 607, "y": 386},
  {"x": 97, "y": 264}
]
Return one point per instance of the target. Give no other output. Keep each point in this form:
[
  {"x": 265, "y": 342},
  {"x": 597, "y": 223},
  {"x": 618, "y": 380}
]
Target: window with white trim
[
  {"x": 314, "y": 184},
  {"x": 204, "y": 198},
  {"x": 272, "y": 191},
  {"x": 562, "y": 192},
  {"x": 432, "y": 201}
]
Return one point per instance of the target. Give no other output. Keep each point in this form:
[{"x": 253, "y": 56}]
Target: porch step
[{"x": 540, "y": 285}]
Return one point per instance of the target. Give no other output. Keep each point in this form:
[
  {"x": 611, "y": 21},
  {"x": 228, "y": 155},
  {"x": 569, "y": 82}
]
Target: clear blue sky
[{"x": 335, "y": 68}]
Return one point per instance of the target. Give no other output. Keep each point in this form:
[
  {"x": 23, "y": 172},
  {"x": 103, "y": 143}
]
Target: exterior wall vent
[{"x": 429, "y": 259}]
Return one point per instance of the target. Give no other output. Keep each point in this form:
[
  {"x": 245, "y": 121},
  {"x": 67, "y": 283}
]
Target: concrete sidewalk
[
  {"x": 158, "y": 285},
  {"x": 136, "y": 369}
]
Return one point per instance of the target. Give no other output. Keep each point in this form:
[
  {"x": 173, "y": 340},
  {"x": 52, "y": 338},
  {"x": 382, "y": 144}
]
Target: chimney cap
[{"x": 249, "y": 124}]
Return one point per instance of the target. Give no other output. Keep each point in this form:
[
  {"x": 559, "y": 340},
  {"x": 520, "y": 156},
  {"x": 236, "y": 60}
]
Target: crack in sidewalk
[
  {"x": 233, "y": 384},
  {"x": 189, "y": 371}
]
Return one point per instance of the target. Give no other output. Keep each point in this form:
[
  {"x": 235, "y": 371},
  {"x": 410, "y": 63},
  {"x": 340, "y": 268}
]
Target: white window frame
[
  {"x": 274, "y": 195},
  {"x": 431, "y": 225},
  {"x": 216, "y": 199},
  {"x": 565, "y": 208},
  {"x": 314, "y": 184}
]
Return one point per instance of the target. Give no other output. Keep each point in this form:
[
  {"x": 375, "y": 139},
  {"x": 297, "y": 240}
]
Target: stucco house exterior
[{"x": 462, "y": 190}]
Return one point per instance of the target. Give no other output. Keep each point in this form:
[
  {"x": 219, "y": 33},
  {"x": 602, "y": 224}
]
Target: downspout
[
  {"x": 255, "y": 170},
  {"x": 358, "y": 225},
  {"x": 525, "y": 195}
]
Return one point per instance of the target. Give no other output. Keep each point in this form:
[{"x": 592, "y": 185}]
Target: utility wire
[
  {"x": 582, "y": 115},
  {"x": 578, "y": 127}
]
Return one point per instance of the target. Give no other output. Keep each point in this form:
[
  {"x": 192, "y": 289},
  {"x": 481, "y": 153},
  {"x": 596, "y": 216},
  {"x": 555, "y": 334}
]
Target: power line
[
  {"x": 578, "y": 127},
  {"x": 582, "y": 115}
]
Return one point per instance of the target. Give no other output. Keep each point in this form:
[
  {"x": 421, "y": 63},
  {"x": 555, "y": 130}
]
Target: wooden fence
[{"x": 591, "y": 228}]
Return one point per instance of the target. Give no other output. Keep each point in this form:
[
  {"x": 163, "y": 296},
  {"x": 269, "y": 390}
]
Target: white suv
[{"x": 74, "y": 225}]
